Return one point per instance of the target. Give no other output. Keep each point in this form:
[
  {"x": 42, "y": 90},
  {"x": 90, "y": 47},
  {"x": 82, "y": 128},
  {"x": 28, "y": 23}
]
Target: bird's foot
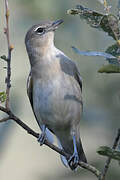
[
  {"x": 73, "y": 160},
  {"x": 41, "y": 138}
]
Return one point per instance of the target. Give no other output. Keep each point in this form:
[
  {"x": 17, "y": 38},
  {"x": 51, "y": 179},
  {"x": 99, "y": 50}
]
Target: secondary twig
[
  {"x": 10, "y": 47},
  {"x": 109, "y": 158},
  {"x": 92, "y": 169},
  {"x": 4, "y": 119}
]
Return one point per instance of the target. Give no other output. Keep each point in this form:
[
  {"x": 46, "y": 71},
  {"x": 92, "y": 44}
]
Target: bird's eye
[{"x": 39, "y": 30}]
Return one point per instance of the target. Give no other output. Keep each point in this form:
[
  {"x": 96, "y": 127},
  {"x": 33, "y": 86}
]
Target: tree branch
[
  {"x": 52, "y": 146},
  {"x": 107, "y": 164},
  {"x": 10, "y": 47}
]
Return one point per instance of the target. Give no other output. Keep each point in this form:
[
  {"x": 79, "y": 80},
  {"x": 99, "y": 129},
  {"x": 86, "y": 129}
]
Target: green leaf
[
  {"x": 93, "y": 18},
  {"x": 2, "y": 97},
  {"x": 109, "y": 152},
  {"x": 110, "y": 68},
  {"x": 105, "y": 22},
  {"x": 114, "y": 50},
  {"x": 109, "y": 24},
  {"x": 3, "y": 57}
]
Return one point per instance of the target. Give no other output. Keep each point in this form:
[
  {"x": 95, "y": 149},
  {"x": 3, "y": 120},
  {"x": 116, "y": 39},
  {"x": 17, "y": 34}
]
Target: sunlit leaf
[
  {"x": 110, "y": 68},
  {"x": 2, "y": 97},
  {"x": 109, "y": 152},
  {"x": 105, "y": 22},
  {"x": 93, "y": 53}
]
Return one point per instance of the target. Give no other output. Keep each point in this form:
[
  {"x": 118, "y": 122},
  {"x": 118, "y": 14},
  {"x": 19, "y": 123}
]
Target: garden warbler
[{"x": 54, "y": 88}]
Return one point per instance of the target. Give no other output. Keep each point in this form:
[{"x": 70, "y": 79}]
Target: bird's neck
[
  {"x": 44, "y": 62},
  {"x": 41, "y": 55}
]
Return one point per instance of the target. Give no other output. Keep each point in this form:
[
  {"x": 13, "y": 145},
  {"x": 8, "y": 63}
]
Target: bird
[{"x": 54, "y": 88}]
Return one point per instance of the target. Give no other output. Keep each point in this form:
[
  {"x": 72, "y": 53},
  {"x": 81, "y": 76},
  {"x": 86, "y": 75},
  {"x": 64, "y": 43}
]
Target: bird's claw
[
  {"x": 73, "y": 160},
  {"x": 41, "y": 138}
]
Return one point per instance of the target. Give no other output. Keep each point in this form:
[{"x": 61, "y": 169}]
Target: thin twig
[
  {"x": 109, "y": 158},
  {"x": 92, "y": 169},
  {"x": 4, "y": 119},
  {"x": 10, "y": 47}
]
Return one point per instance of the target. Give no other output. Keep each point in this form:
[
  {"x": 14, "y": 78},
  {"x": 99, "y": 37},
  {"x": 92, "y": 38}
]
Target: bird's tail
[
  {"x": 81, "y": 156},
  {"x": 81, "y": 153}
]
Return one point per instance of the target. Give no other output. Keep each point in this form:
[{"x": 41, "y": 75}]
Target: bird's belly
[{"x": 55, "y": 105}]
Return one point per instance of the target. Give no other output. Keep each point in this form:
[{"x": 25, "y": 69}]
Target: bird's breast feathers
[{"x": 57, "y": 99}]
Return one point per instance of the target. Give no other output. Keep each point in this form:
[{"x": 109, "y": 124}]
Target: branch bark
[
  {"x": 107, "y": 163},
  {"x": 10, "y": 47}
]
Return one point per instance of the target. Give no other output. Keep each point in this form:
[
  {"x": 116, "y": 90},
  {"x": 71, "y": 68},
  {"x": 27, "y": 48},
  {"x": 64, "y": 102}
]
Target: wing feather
[
  {"x": 30, "y": 89},
  {"x": 69, "y": 67},
  {"x": 49, "y": 134}
]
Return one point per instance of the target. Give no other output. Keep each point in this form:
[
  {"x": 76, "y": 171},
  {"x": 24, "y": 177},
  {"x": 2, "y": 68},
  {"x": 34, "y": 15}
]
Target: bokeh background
[{"x": 21, "y": 157}]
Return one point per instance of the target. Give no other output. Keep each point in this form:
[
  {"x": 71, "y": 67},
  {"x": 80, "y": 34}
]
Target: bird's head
[{"x": 41, "y": 35}]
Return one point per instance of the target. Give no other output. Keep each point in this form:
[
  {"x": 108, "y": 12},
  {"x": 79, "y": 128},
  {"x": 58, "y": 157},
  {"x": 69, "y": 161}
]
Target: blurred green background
[{"x": 21, "y": 157}]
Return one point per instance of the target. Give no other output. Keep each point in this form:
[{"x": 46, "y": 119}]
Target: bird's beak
[{"x": 55, "y": 25}]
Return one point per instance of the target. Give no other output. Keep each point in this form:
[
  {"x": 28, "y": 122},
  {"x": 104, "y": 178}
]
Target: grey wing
[
  {"x": 78, "y": 77},
  {"x": 69, "y": 67},
  {"x": 30, "y": 90},
  {"x": 30, "y": 93},
  {"x": 49, "y": 134}
]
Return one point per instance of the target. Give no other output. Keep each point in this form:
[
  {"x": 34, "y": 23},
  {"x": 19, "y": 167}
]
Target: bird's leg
[
  {"x": 42, "y": 136},
  {"x": 74, "y": 159}
]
